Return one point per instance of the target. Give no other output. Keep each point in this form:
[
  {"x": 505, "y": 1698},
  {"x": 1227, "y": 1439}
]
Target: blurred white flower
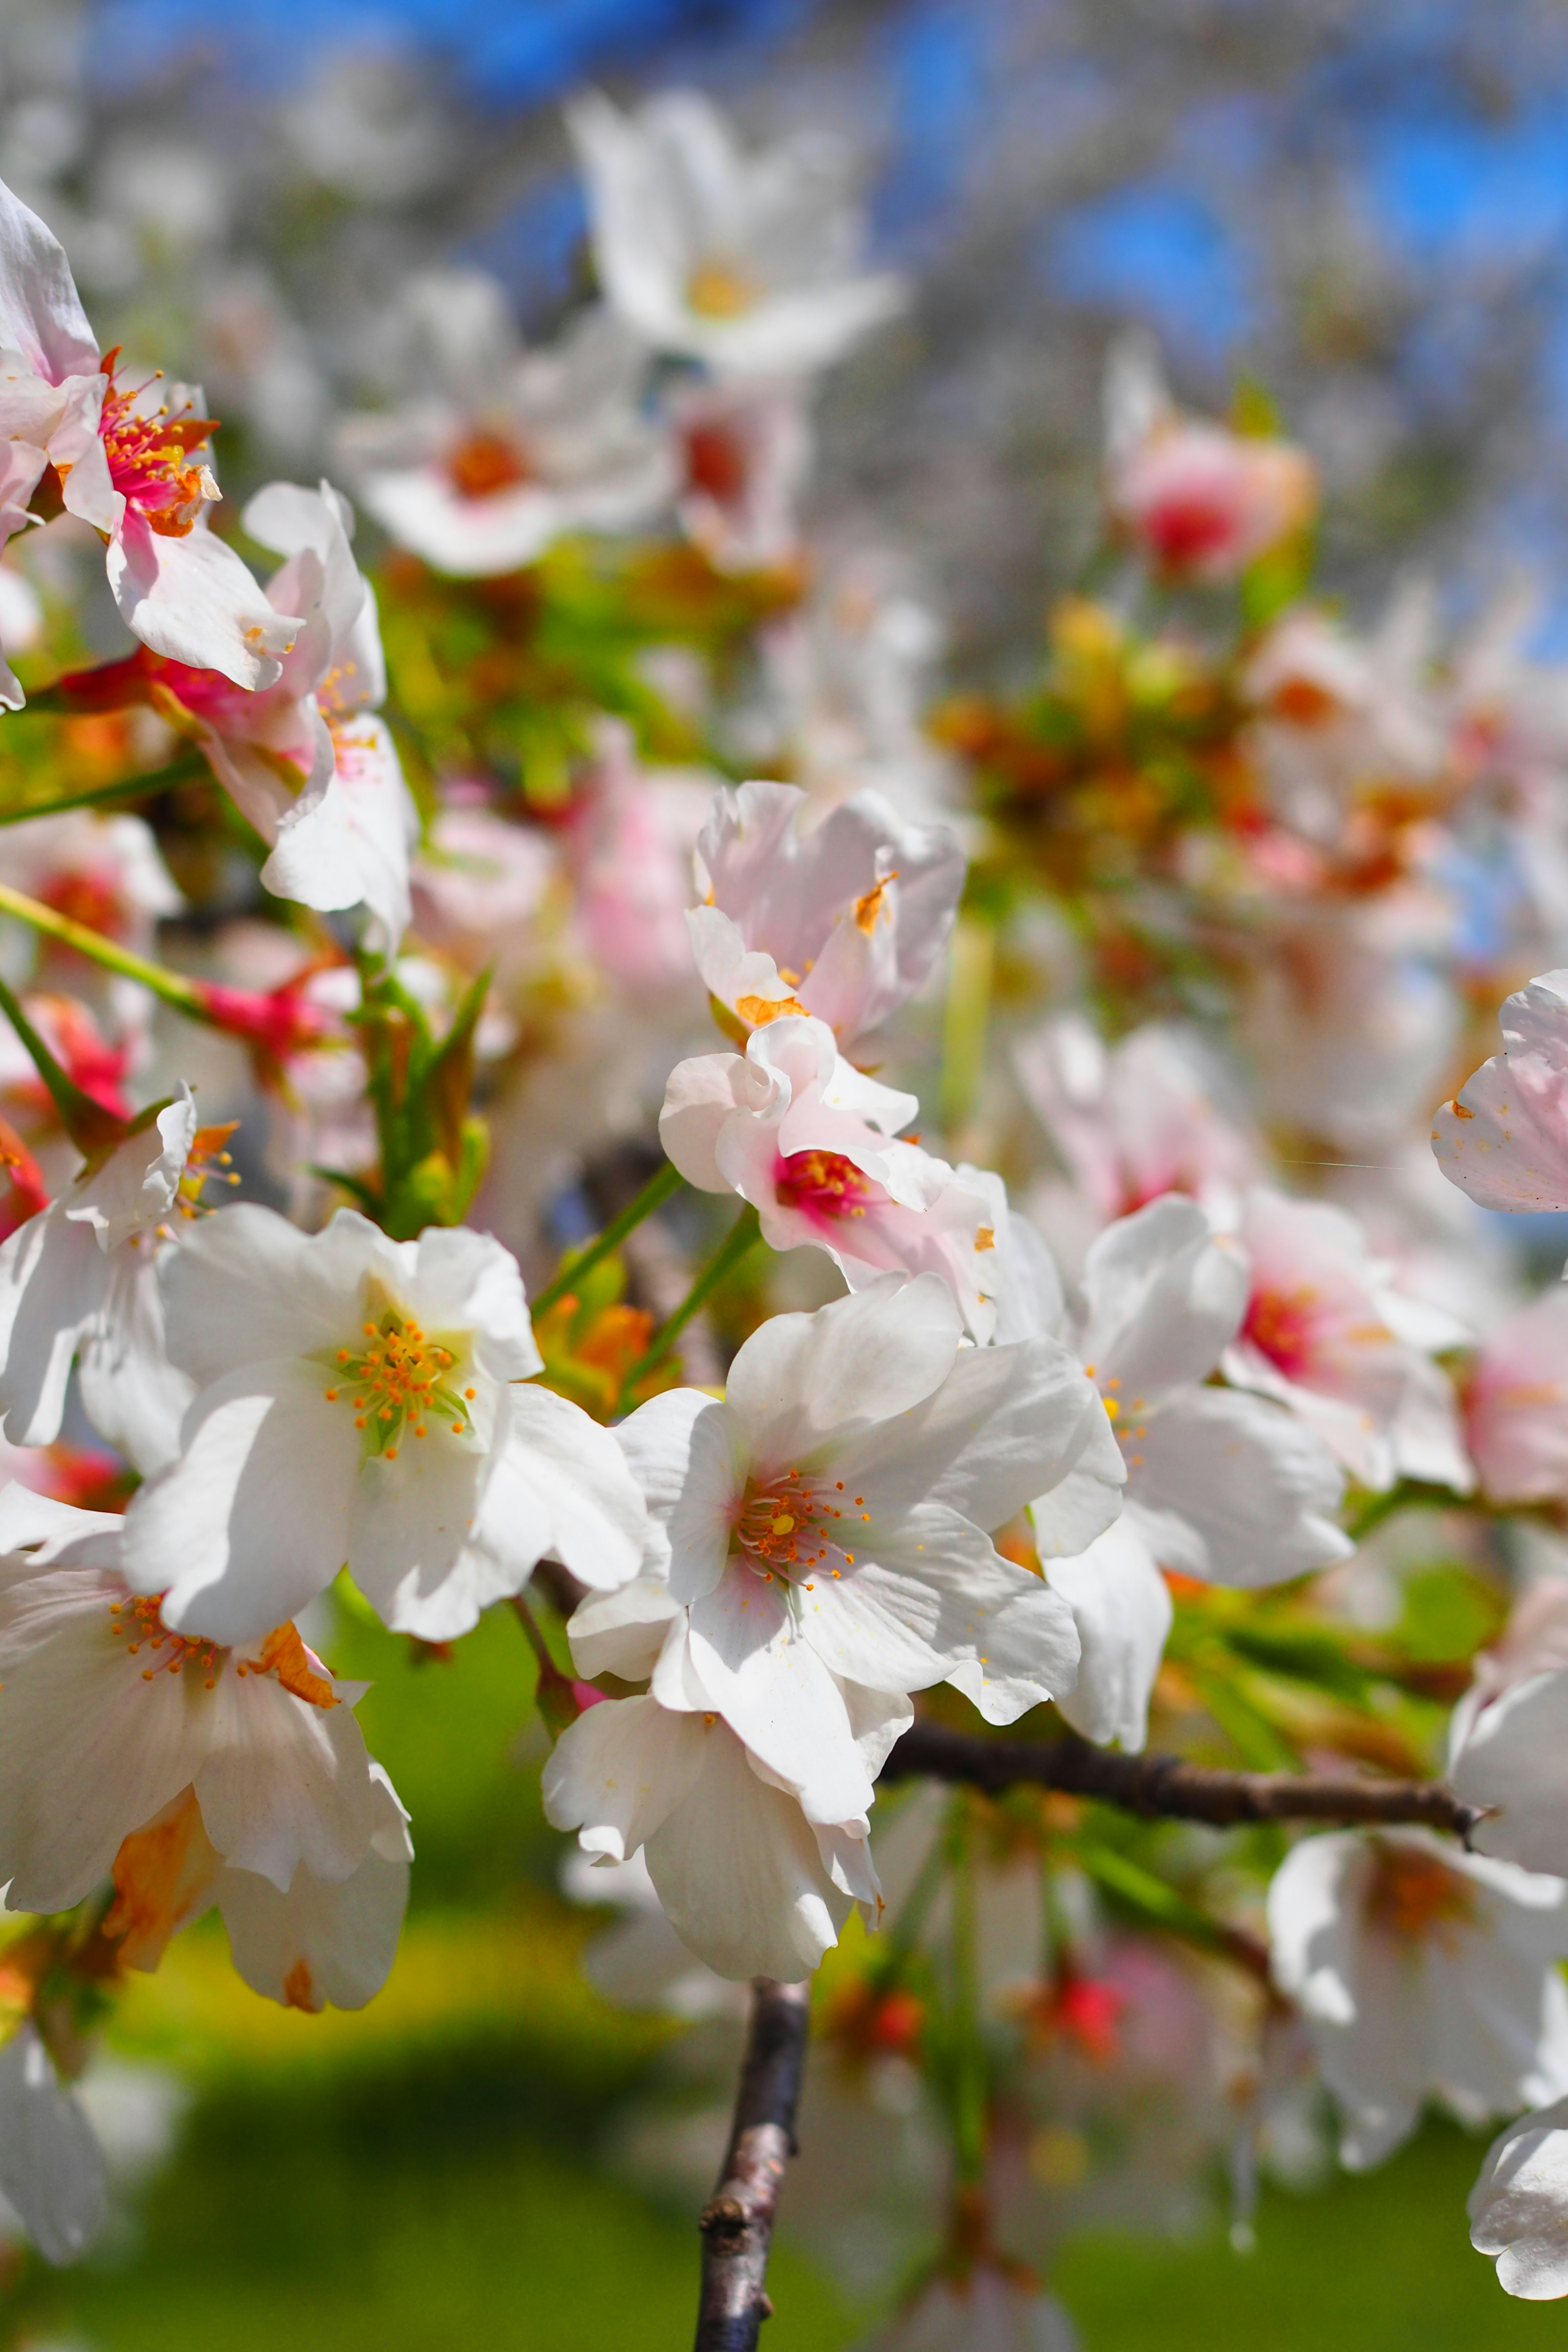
[
  {"x": 1422, "y": 1973},
  {"x": 511, "y": 449},
  {"x": 748, "y": 262}
]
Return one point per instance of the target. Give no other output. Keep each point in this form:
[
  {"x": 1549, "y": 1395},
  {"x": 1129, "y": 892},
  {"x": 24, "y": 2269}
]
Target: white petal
[
  {"x": 253, "y": 1519},
  {"x": 192, "y": 600},
  {"x": 1504, "y": 1139},
  {"x": 53, "y": 1280},
  {"x": 805, "y": 1384},
  {"x": 1007, "y": 1424},
  {"x": 1512, "y": 1755},
  {"x": 1233, "y": 1489},
  {"x": 247, "y": 1284},
  {"x": 88, "y": 1750},
  {"x": 1162, "y": 1294},
  {"x": 286, "y": 1784},
  {"x": 51, "y": 2167},
  {"x": 324, "y": 1939},
  {"x": 1122, "y": 1610},
  {"x": 918, "y": 1600},
  {"x": 40, "y": 310},
  {"x": 739, "y": 1871},
  {"x": 413, "y": 1520},
  {"x": 688, "y": 1456},
  {"x": 1027, "y": 1654},
  {"x": 614, "y": 1774},
  {"x": 621, "y": 1632},
  {"x": 699, "y": 1095},
  {"x": 130, "y": 1391},
  {"x": 775, "y": 1694},
  {"x": 1519, "y": 2206}
]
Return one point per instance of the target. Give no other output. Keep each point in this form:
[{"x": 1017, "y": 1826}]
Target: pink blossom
[
  {"x": 812, "y": 1144},
  {"x": 1516, "y": 1405},
  {"x": 844, "y": 922},
  {"x": 1136, "y": 1119},
  {"x": 1327, "y": 1333}
]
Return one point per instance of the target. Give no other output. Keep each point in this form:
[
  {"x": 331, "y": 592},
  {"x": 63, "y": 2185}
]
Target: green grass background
[{"x": 426, "y": 2174}]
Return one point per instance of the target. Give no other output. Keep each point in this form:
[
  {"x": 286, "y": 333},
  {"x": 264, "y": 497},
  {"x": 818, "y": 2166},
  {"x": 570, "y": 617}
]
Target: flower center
[
  {"x": 825, "y": 1184},
  {"x": 1281, "y": 1325},
  {"x": 1414, "y": 1895},
  {"x": 484, "y": 462},
  {"x": 139, "y": 1621},
  {"x": 400, "y": 1379},
  {"x": 149, "y": 454},
  {"x": 790, "y": 1527},
  {"x": 716, "y": 462},
  {"x": 720, "y": 288}
]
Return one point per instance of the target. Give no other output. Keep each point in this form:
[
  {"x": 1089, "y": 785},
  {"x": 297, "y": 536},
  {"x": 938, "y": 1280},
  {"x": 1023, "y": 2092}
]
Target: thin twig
[
  {"x": 1168, "y": 1785},
  {"x": 737, "y": 2223}
]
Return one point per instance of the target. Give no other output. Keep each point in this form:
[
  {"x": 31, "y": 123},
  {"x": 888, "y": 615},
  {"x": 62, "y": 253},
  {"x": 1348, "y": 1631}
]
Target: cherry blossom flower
[
  {"x": 1514, "y": 1399},
  {"x": 305, "y": 759},
  {"x": 1328, "y": 1332},
  {"x": 513, "y": 449},
  {"x": 129, "y": 460},
  {"x": 1317, "y": 1063},
  {"x": 107, "y": 1715},
  {"x": 748, "y": 262},
  {"x": 745, "y": 450},
  {"x": 1422, "y": 1973},
  {"x": 79, "y": 1283},
  {"x": 844, "y": 922},
  {"x": 1519, "y": 2206},
  {"x": 104, "y": 871},
  {"x": 1338, "y": 717},
  {"x": 1220, "y": 1486},
  {"x": 1201, "y": 501},
  {"x": 368, "y": 1389},
  {"x": 800, "y": 1133},
  {"x": 51, "y": 2167},
  {"x": 828, "y": 1520},
  {"x": 1504, "y": 1138},
  {"x": 1144, "y": 1116}
]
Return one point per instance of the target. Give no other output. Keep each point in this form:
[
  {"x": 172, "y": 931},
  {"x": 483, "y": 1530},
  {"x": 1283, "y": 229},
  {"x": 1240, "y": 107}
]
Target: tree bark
[{"x": 737, "y": 2223}]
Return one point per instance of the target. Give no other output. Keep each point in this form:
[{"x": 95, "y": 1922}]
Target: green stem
[
  {"x": 181, "y": 994},
  {"x": 654, "y": 1194},
  {"x": 742, "y": 1235},
  {"x": 87, "y": 1122},
  {"x": 189, "y": 765}
]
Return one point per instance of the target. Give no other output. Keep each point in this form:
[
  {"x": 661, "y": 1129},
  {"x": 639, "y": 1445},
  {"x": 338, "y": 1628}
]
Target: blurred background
[{"x": 1362, "y": 211}]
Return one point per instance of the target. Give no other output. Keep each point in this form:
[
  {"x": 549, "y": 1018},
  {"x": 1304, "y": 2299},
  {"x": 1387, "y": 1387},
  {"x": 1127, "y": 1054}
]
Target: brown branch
[
  {"x": 737, "y": 2223},
  {"x": 1167, "y": 1785}
]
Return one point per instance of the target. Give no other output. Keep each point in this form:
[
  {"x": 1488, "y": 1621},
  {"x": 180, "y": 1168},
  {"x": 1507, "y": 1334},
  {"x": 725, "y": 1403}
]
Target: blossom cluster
[{"x": 1111, "y": 1373}]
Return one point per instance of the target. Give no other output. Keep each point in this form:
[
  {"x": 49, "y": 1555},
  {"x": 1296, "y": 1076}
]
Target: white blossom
[{"x": 358, "y": 1401}]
